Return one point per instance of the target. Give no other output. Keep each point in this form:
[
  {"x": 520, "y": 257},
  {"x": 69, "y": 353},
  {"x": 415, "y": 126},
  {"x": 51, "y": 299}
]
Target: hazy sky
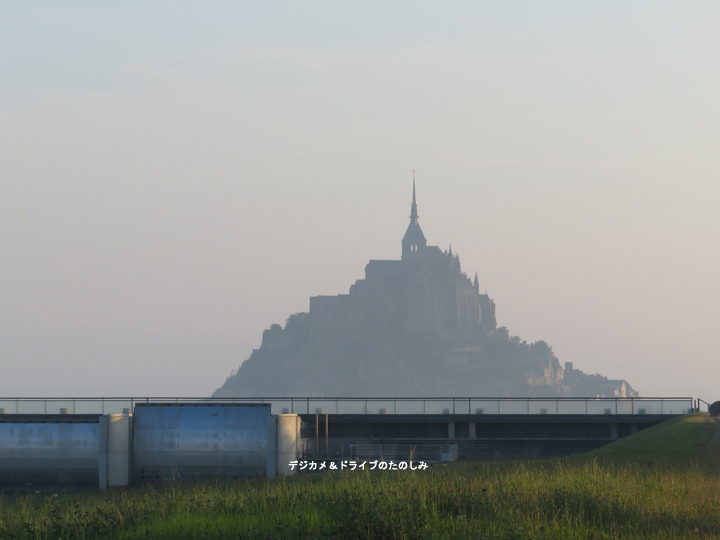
[{"x": 176, "y": 176}]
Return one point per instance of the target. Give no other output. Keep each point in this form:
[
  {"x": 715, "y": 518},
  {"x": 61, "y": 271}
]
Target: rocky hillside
[{"x": 290, "y": 362}]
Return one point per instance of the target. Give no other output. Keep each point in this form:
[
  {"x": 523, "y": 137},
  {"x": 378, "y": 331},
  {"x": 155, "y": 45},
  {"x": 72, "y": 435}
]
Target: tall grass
[{"x": 564, "y": 499}]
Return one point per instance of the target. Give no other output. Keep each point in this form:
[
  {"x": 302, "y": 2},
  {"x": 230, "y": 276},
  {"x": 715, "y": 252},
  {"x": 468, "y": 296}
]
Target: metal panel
[
  {"x": 515, "y": 406},
  {"x": 8, "y": 406},
  {"x": 410, "y": 406},
  {"x": 49, "y": 453},
  {"x": 352, "y": 406},
  {"x": 89, "y": 406},
  {"x": 117, "y": 406},
  {"x": 484, "y": 406},
  {"x": 281, "y": 406},
  {"x": 323, "y": 406},
  {"x": 677, "y": 406},
  {"x": 196, "y": 441},
  {"x": 545, "y": 406},
  {"x": 300, "y": 406},
  {"x": 380, "y": 406},
  {"x": 606, "y": 406},
  {"x": 461, "y": 406},
  {"x": 624, "y": 406},
  {"x": 648, "y": 406},
  {"x": 572, "y": 406},
  {"x": 59, "y": 406},
  {"x": 439, "y": 406},
  {"x": 32, "y": 406}
]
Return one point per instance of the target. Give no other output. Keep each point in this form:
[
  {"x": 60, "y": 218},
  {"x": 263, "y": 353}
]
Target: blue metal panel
[
  {"x": 46, "y": 453},
  {"x": 196, "y": 441}
]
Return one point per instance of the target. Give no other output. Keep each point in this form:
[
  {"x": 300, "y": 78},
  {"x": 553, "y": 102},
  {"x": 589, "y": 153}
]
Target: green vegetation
[
  {"x": 673, "y": 493},
  {"x": 675, "y": 441}
]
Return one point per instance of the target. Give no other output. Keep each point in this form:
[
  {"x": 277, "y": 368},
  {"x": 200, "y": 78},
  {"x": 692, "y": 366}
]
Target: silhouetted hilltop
[
  {"x": 414, "y": 327},
  {"x": 491, "y": 363}
]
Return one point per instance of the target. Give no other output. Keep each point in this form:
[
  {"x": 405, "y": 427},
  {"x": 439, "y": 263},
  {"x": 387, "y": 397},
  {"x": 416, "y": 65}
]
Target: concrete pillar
[
  {"x": 473, "y": 432},
  {"x": 614, "y": 431},
  {"x": 119, "y": 449},
  {"x": 289, "y": 443},
  {"x": 271, "y": 470},
  {"x": 115, "y": 449},
  {"x": 103, "y": 454},
  {"x": 451, "y": 430},
  {"x": 633, "y": 428}
]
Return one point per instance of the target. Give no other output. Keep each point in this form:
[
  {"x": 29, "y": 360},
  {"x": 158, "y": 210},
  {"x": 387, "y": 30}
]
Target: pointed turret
[
  {"x": 414, "y": 240},
  {"x": 476, "y": 283},
  {"x": 413, "y": 206}
]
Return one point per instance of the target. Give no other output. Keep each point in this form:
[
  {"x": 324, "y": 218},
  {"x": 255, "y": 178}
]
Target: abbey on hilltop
[
  {"x": 417, "y": 326},
  {"x": 425, "y": 291}
]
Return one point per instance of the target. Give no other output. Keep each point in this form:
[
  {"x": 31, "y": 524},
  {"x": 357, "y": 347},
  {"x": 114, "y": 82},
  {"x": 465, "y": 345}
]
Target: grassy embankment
[{"x": 662, "y": 483}]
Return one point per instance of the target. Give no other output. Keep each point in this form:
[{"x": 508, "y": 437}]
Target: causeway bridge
[
  {"x": 121, "y": 440},
  {"x": 474, "y": 406}
]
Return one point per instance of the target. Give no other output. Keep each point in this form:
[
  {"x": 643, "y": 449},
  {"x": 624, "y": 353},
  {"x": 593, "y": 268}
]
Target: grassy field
[{"x": 662, "y": 483}]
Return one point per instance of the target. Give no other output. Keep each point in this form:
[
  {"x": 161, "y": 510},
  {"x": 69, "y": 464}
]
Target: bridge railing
[{"x": 371, "y": 406}]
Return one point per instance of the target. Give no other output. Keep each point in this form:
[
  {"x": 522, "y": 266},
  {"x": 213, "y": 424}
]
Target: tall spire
[
  {"x": 413, "y": 207},
  {"x": 414, "y": 239}
]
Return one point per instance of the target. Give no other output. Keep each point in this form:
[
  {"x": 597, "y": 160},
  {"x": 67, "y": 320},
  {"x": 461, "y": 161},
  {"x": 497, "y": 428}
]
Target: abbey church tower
[
  {"x": 414, "y": 240},
  {"x": 425, "y": 291}
]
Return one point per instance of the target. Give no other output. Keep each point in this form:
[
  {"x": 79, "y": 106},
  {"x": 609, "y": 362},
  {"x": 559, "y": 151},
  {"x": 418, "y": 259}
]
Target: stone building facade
[{"x": 425, "y": 291}]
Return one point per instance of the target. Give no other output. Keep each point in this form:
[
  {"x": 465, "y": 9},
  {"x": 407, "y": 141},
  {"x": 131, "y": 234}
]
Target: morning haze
[{"x": 174, "y": 179}]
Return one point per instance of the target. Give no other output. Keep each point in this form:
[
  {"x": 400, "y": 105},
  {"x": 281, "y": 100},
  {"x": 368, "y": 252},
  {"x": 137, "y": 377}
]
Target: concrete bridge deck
[{"x": 486, "y": 406}]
